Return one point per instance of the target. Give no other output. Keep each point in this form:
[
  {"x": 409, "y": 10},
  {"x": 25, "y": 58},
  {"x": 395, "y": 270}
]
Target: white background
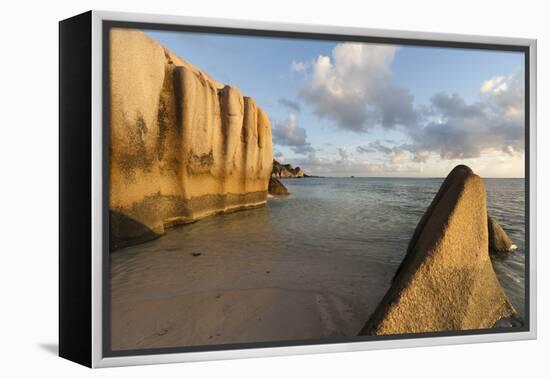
[{"x": 29, "y": 190}]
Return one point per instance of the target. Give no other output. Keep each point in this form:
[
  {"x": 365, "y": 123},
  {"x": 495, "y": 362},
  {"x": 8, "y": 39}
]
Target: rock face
[
  {"x": 286, "y": 171},
  {"x": 276, "y": 188},
  {"x": 182, "y": 145},
  {"x": 446, "y": 281},
  {"x": 499, "y": 242}
]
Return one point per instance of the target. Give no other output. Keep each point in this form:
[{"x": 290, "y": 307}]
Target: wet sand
[{"x": 164, "y": 294}]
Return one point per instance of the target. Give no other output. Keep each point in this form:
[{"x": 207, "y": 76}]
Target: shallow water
[
  {"x": 506, "y": 204},
  {"x": 376, "y": 217},
  {"x": 339, "y": 239}
]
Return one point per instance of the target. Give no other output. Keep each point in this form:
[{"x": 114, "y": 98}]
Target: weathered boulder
[
  {"x": 499, "y": 242},
  {"x": 182, "y": 145},
  {"x": 277, "y": 188},
  {"x": 446, "y": 281}
]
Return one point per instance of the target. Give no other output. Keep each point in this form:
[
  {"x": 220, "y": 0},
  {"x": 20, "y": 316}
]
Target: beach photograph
[{"x": 277, "y": 189}]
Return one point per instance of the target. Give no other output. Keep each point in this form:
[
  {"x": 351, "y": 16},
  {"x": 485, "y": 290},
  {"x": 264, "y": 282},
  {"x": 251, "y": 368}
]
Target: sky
[{"x": 375, "y": 110}]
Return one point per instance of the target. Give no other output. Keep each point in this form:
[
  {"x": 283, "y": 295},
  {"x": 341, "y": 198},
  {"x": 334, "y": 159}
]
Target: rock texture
[
  {"x": 446, "y": 281},
  {"x": 182, "y": 145},
  {"x": 499, "y": 242},
  {"x": 286, "y": 171},
  {"x": 277, "y": 188}
]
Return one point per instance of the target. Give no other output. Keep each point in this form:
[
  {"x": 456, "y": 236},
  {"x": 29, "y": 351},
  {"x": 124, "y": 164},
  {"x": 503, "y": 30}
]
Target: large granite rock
[
  {"x": 499, "y": 242},
  {"x": 277, "y": 188},
  {"x": 182, "y": 145},
  {"x": 446, "y": 281}
]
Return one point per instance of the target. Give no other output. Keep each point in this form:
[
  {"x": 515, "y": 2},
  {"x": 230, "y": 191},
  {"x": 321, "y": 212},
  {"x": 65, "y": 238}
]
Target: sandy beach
[{"x": 165, "y": 295}]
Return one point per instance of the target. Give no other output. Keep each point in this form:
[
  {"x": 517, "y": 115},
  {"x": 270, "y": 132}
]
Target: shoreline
[{"x": 163, "y": 295}]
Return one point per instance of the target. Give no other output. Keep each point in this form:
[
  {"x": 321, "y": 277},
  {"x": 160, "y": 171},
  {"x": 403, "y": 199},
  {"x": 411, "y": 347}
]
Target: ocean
[
  {"x": 340, "y": 238},
  {"x": 376, "y": 217}
]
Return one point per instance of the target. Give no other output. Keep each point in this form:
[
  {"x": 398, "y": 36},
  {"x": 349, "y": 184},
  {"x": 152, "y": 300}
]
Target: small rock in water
[
  {"x": 195, "y": 254},
  {"x": 499, "y": 241},
  {"x": 277, "y": 188}
]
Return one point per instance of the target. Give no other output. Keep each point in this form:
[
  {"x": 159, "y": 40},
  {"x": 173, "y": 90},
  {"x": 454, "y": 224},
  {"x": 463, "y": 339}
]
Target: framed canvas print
[{"x": 233, "y": 189}]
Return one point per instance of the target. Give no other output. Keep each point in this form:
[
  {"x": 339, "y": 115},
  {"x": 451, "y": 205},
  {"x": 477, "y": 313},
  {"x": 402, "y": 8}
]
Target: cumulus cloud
[
  {"x": 457, "y": 130},
  {"x": 343, "y": 152},
  {"x": 364, "y": 149},
  {"x": 454, "y": 106},
  {"x": 395, "y": 155},
  {"x": 378, "y": 146},
  {"x": 298, "y": 66},
  {"x": 355, "y": 88},
  {"x": 288, "y": 133},
  {"x": 507, "y": 96},
  {"x": 495, "y": 84},
  {"x": 291, "y": 105},
  {"x": 344, "y": 167},
  {"x": 420, "y": 155},
  {"x": 451, "y": 128}
]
